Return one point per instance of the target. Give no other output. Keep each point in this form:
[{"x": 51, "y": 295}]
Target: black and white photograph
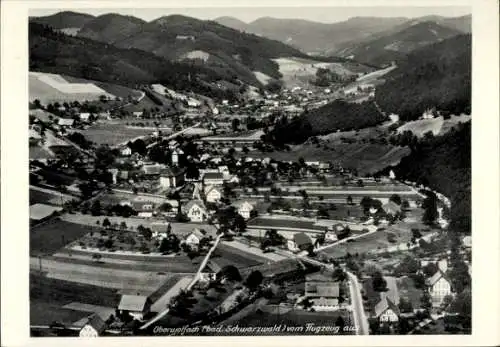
[{"x": 250, "y": 171}]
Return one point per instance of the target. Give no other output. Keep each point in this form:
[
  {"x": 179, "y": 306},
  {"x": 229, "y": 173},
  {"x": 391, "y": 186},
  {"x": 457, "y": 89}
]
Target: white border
[{"x": 14, "y": 174}]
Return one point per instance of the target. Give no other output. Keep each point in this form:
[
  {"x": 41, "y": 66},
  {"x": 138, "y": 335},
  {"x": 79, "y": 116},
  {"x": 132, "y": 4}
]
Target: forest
[{"x": 434, "y": 77}]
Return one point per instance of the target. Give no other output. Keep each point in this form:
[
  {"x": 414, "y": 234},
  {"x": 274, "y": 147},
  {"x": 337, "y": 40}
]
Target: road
[
  {"x": 193, "y": 282},
  {"x": 360, "y": 320},
  {"x": 174, "y": 135}
]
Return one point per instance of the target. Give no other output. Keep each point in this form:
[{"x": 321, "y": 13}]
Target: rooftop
[{"x": 135, "y": 303}]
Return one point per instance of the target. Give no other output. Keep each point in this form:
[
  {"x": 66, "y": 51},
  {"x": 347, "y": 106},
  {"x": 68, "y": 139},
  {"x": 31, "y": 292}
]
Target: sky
[{"x": 323, "y": 14}]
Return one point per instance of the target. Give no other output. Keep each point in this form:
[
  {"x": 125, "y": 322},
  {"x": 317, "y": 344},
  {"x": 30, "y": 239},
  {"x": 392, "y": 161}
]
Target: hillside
[
  {"x": 57, "y": 53},
  {"x": 335, "y": 116},
  {"x": 393, "y": 46},
  {"x": 444, "y": 163},
  {"x": 436, "y": 76},
  {"x": 172, "y": 37},
  {"x": 64, "y": 20},
  {"x": 313, "y": 37},
  {"x": 110, "y": 27}
]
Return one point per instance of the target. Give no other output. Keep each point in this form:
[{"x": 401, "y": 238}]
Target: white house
[
  {"x": 84, "y": 116},
  {"x": 136, "y": 305},
  {"x": 176, "y": 153},
  {"x": 94, "y": 327},
  {"x": 387, "y": 309},
  {"x": 144, "y": 209},
  {"x": 138, "y": 114},
  {"x": 125, "y": 151},
  {"x": 439, "y": 287},
  {"x": 213, "y": 194},
  {"x": 194, "y": 238},
  {"x": 196, "y": 211},
  {"x": 171, "y": 177},
  {"x": 244, "y": 209},
  {"x": 322, "y": 292},
  {"x": 66, "y": 122}
]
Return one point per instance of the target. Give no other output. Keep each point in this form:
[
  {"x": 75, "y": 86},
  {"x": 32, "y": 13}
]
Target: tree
[
  {"x": 106, "y": 223},
  {"x": 379, "y": 284},
  {"x": 254, "y": 280},
  {"x": 235, "y": 124},
  {"x": 339, "y": 275},
  {"x": 426, "y": 301},
  {"x": 307, "y": 303},
  {"x": 430, "y": 209},
  {"x": 396, "y": 199},
  {"x": 349, "y": 200},
  {"x": 95, "y": 209},
  {"x": 230, "y": 272},
  {"x": 405, "y": 306},
  {"x": 123, "y": 226}
]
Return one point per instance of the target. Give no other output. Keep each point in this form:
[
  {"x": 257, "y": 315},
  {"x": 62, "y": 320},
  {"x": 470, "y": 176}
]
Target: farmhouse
[
  {"x": 84, "y": 116},
  {"x": 196, "y": 211},
  {"x": 213, "y": 194},
  {"x": 194, "y": 238},
  {"x": 300, "y": 242},
  {"x": 143, "y": 209},
  {"x": 213, "y": 178},
  {"x": 138, "y": 114},
  {"x": 386, "y": 310},
  {"x": 176, "y": 153},
  {"x": 137, "y": 306},
  {"x": 152, "y": 169},
  {"x": 439, "y": 287},
  {"x": 171, "y": 177},
  {"x": 322, "y": 291},
  {"x": 125, "y": 151},
  {"x": 94, "y": 327},
  {"x": 66, "y": 122},
  {"x": 391, "y": 208},
  {"x": 244, "y": 208}
]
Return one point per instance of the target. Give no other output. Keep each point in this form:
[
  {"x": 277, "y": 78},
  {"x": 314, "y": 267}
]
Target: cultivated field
[
  {"x": 113, "y": 134},
  {"x": 366, "y": 158},
  {"x": 47, "y": 238},
  {"x": 437, "y": 126},
  {"x": 49, "y": 88}
]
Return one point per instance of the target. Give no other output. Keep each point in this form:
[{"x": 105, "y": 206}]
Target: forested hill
[
  {"x": 54, "y": 52},
  {"x": 437, "y": 76},
  {"x": 337, "y": 115},
  {"x": 444, "y": 163}
]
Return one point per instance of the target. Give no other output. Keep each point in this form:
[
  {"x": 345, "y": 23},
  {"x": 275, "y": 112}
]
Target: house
[
  {"x": 213, "y": 194},
  {"x": 185, "y": 37},
  {"x": 66, "y": 122},
  {"x": 213, "y": 178},
  {"x": 143, "y": 209},
  {"x": 196, "y": 211},
  {"x": 194, "y": 238},
  {"x": 193, "y": 102},
  {"x": 387, "y": 310},
  {"x": 467, "y": 242},
  {"x": 391, "y": 208},
  {"x": 244, "y": 209},
  {"x": 34, "y": 137},
  {"x": 138, "y": 114},
  {"x": 84, "y": 116},
  {"x": 208, "y": 276},
  {"x": 176, "y": 153},
  {"x": 172, "y": 144},
  {"x": 94, "y": 327},
  {"x": 171, "y": 177},
  {"x": 322, "y": 291},
  {"x": 137, "y": 306},
  {"x": 332, "y": 234},
  {"x": 299, "y": 242},
  {"x": 152, "y": 169},
  {"x": 439, "y": 287},
  {"x": 125, "y": 151}
]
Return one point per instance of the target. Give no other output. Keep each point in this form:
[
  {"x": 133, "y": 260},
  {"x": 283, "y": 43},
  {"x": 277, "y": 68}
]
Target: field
[
  {"x": 49, "y": 88},
  {"x": 41, "y": 197},
  {"x": 48, "y": 296},
  {"x": 285, "y": 223},
  {"x": 227, "y": 255},
  {"x": 437, "y": 126},
  {"x": 366, "y": 158},
  {"x": 117, "y": 90},
  {"x": 113, "y": 134},
  {"x": 47, "y": 238},
  {"x": 262, "y": 77}
]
